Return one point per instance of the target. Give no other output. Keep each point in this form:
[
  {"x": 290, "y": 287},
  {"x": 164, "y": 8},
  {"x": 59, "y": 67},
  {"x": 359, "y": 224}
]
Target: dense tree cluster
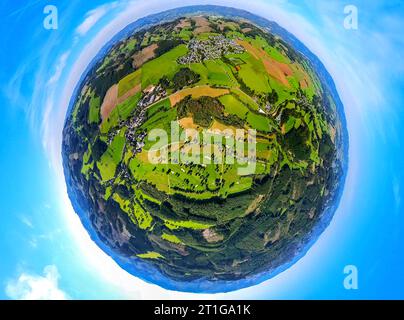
[
  {"x": 203, "y": 110},
  {"x": 185, "y": 77}
]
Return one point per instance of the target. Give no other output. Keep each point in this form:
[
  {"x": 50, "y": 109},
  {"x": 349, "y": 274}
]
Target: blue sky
[{"x": 44, "y": 250}]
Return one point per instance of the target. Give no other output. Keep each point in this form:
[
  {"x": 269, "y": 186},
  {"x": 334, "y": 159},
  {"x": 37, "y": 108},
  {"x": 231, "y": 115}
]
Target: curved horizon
[{"x": 38, "y": 85}]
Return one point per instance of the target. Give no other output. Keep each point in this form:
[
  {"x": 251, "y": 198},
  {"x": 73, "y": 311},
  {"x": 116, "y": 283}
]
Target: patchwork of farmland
[{"x": 199, "y": 217}]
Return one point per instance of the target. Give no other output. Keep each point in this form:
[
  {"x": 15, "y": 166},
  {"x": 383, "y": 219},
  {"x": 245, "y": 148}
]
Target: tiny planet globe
[{"x": 205, "y": 149}]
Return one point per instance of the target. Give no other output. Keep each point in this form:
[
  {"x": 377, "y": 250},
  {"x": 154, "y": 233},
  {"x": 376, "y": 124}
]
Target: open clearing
[
  {"x": 234, "y": 106},
  {"x": 216, "y": 125},
  {"x": 109, "y": 102},
  {"x": 214, "y": 72},
  {"x": 137, "y": 88},
  {"x": 277, "y": 70},
  {"x": 144, "y": 55},
  {"x": 165, "y": 65},
  {"x": 184, "y": 23},
  {"x": 197, "y": 92},
  {"x": 202, "y": 25},
  {"x": 111, "y": 158},
  {"x": 94, "y": 112},
  {"x": 188, "y": 123},
  {"x": 131, "y": 81}
]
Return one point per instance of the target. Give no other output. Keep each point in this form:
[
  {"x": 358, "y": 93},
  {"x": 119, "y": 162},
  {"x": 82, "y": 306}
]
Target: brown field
[
  {"x": 278, "y": 70},
  {"x": 223, "y": 25},
  {"x": 144, "y": 55},
  {"x": 184, "y": 23},
  {"x": 196, "y": 93},
  {"x": 220, "y": 126},
  {"x": 188, "y": 123},
  {"x": 245, "y": 30},
  {"x": 175, "y": 146},
  {"x": 201, "y": 21},
  {"x": 130, "y": 93},
  {"x": 200, "y": 30},
  {"x": 302, "y": 75},
  {"x": 109, "y": 102},
  {"x": 304, "y": 84},
  {"x": 256, "y": 53},
  {"x": 111, "y": 99},
  {"x": 211, "y": 236},
  {"x": 202, "y": 25}
]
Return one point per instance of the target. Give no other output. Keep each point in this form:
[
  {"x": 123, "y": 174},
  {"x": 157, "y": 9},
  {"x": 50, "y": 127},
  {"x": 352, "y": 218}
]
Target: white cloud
[
  {"x": 37, "y": 287},
  {"x": 12, "y": 90},
  {"x": 33, "y": 243},
  {"x": 93, "y": 16},
  {"x": 27, "y": 221},
  {"x": 59, "y": 67}
]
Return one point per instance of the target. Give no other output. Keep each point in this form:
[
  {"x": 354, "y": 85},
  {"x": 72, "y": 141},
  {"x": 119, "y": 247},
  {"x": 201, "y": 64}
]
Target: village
[
  {"x": 151, "y": 95},
  {"x": 212, "y": 48}
]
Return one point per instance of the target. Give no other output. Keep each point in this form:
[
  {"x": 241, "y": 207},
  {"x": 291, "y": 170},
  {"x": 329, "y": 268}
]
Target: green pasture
[
  {"x": 111, "y": 158},
  {"x": 165, "y": 65},
  {"x": 234, "y": 106},
  {"x": 129, "y": 82},
  {"x": 94, "y": 110}
]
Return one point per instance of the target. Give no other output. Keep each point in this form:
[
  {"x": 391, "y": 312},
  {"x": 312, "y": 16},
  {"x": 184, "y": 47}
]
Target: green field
[
  {"x": 94, "y": 110},
  {"x": 173, "y": 225},
  {"x": 185, "y": 34},
  {"x": 234, "y": 106},
  {"x": 183, "y": 208},
  {"x": 171, "y": 238},
  {"x": 126, "y": 108},
  {"x": 165, "y": 65},
  {"x": 130, "y": 45},
  {"x": 129, "y": 82},
  {"x": 274, "y": 53},
  {"x": 111, "y": 158},
  {"x": 136, "y": 213},
  {"x": 150, "y": 255},
  {"x": 258, "y": 122},
  {"x": 214, "y": 72},
  {"x": 160, "y": 120},
  {"x": 86, "y": 164},
  {"x": 245, "y": 99},
  {"x": 161, "y": 106},
  {"x": 253, "y": 74}
]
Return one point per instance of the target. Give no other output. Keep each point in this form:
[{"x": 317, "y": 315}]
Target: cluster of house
[
  {"x": 212, "y": 48},
  {"x": 136, "y": 141},
  {"x": 151, "y": 95}
]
